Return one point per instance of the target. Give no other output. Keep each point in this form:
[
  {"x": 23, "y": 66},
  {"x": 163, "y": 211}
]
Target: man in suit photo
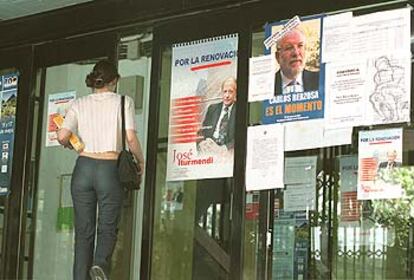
[
  {"x": 391, "y": 162},
  {"x": 218, "y": 125},
  {"x": 291, "y": 57}
]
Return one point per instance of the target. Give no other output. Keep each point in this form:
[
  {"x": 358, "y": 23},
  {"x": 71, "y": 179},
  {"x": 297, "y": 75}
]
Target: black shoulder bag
[{"x": 128, "y": 168}]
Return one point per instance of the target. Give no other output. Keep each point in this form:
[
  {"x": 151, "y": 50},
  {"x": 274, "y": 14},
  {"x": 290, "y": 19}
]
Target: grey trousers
[{"x": 95, "y": 184}]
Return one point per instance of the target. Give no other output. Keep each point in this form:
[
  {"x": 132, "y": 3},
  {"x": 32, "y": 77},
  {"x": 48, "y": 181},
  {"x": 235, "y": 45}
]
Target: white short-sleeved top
[{"x": 96, "y": 119}]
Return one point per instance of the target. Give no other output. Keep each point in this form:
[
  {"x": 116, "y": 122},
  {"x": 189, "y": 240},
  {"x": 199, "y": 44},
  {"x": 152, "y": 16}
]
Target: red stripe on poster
[{"x": 226, "y": 62}]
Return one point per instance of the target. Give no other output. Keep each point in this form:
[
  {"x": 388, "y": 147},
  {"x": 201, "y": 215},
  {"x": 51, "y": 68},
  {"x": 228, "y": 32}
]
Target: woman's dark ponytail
[{"x": 102, "y": 74}]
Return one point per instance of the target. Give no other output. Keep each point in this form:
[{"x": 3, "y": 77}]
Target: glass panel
[
  {"x": 8, "y": 96},
  {"x": 54, "y": 219},
  {"x": 192, "y": 218},
  {"x": 337, "y": 236},
  {"x": 53, "y": 244},
  {"x": 254, "y": 257},
  {"x": 54, "y": 215},
  {"x": 373, "y": 238},
  {"x": 251, "y": 236},
  {"x": 135, "y": 70}
]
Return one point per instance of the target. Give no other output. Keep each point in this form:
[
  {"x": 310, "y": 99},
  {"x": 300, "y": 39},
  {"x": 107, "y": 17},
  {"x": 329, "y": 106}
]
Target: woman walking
[{"x": 96, "y": 119}]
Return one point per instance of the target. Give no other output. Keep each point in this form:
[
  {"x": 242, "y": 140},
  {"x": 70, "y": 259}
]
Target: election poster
[
  {"x": 8, "y": 95},
  {"x": 298, "y": 74},
  {"x": 350, "y": 206},
  {"x": 58, "y": 104},
  {"x": 284, "y": 246},
  {"x": 252, "y": 206},
  {"x": 202, "y": 109},
  {"x": 290, "y": 245},
  {"x": 380, "y": 153},
  {"x": 173, "y": 199}
]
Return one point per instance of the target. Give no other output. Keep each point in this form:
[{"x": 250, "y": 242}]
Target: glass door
[
  {"x": 60, "y": 80},
  {"x": 192, "y": 189},
  {"x": 134, "y": 66},
  {"x": 61, "y": 70},
  {"x": 190, "y": 214},
  {"x": 15, "y": 132},
  {"x": 54, "y": 211}
]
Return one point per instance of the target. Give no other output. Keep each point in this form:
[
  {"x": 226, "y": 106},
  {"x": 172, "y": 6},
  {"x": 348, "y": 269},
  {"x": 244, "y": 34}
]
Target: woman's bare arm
[
  {"x": 135, "y": 147},
  {"x": 63, "y": 136}
]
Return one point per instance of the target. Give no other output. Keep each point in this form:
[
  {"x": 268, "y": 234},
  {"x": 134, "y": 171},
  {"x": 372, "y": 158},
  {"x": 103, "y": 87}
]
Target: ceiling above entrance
[{"x": 11, "y": 9}]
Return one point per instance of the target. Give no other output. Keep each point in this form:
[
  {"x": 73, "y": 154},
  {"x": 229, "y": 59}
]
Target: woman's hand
[
  {"x": 63, "y": 136},
  {"x": 141, "y": 166},
  {"x": 68, "y": 146}
]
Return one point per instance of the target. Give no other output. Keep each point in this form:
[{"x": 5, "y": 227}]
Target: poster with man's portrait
[
  {"x": 299, "y": 74},
  {"x": 202, "y": 109},
  {"x": 379, "y": 156}
]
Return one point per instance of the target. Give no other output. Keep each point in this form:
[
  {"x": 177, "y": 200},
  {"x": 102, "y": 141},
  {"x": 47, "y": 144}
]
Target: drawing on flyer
[{"x": 389, "y": 99}]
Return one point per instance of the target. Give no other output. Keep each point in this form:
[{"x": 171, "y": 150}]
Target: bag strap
[{"x": 123, "y": 120}]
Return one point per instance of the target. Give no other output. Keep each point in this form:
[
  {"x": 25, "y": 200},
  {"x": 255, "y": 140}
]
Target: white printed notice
[
  {"x": 383, "y": 32},
  {"x": 375, "y": 87},
  {"x": 261, "y": 78},
  {"x": 300, "y": 170},
  {"x": 380, "y": 153},
  {"x": 346, "y": 98},
  {"x": 300, "y": 180},
  {"x": 366, "y": 92},
  {"x": 265, "y": 156},
  {"x": 337, "y": 32},
  {"x": 299, "y": 197},
  {"x": 316, "y": 135},
  {"x": 202, "y": 109},
  {"x": 58, "y": 104}
]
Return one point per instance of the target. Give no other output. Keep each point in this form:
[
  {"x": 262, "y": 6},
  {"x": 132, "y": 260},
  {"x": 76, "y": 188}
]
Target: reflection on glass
[
  {"x": 134, "y": 67},
  {"x": 373, "y": 236},
  {"x": 54, "y": 220}
]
